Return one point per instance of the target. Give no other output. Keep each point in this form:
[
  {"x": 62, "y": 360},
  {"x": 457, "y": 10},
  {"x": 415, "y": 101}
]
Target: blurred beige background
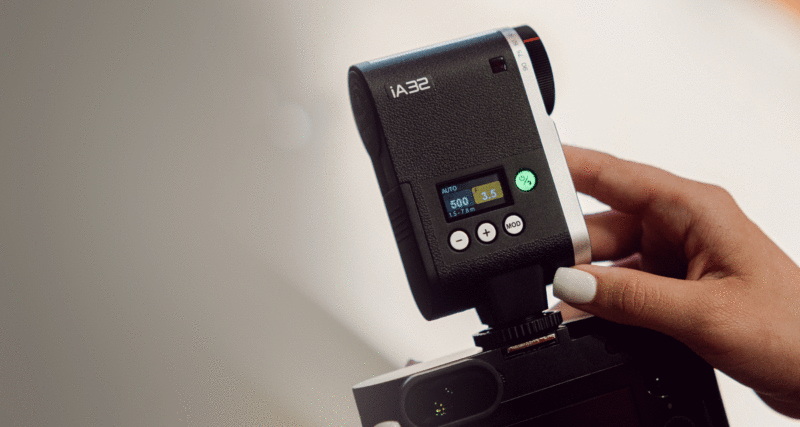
[{"x": 190, "y": 230}]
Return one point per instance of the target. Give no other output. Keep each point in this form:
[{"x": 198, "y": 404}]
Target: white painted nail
[{"x": 574, "y": 286}]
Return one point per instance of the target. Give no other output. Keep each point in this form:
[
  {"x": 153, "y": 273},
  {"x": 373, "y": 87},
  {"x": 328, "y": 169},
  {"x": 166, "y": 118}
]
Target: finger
[
  {"x": 633, "y": 262},
  {"x": 631, "y": 297},
  {"x": 568, "y": 312},
  {"x": 626, "y": 186},
  {"x": 613, "y": 235}
]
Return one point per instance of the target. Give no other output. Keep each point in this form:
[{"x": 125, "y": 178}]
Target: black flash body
[
  {"x": 446, "y": 125},
  {"x": 483, "y": 211}
]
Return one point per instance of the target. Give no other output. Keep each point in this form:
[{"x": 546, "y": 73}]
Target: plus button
[{"x": 487, "y": 232}]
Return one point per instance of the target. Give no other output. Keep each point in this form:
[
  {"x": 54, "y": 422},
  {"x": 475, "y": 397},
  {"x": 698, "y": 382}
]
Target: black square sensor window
[{"x": 498, "y": 64}]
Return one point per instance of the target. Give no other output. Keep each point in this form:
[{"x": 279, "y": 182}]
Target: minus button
[{"x": 459, "y": 240}]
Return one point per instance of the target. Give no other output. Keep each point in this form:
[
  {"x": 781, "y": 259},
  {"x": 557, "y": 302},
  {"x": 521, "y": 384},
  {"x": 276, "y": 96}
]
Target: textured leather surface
[{"x": 471, "y": 110}]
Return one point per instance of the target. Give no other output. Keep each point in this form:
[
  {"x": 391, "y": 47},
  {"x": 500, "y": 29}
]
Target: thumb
[{"x": 630, "y": 297}]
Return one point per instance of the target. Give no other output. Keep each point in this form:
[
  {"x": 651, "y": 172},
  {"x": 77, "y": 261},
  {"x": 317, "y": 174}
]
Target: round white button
[
  {"x": 513, "y": 224},
  {"x": 486, "y": 232},
  {"x": 459, "y": 240}
]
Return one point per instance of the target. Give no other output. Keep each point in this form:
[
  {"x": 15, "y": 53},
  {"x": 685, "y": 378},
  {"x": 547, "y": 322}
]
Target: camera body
[
  {"x": 589, "y": 372},
  {"x": 484, "y": 211}
]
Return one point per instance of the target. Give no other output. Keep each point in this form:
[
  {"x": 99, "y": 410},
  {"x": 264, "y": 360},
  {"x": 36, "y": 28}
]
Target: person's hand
[{"x": 697, "y": 269}]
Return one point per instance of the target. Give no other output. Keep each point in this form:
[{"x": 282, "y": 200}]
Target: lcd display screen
[{"x": 471, "y": 196}]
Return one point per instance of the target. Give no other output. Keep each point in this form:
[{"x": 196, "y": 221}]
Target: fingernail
[{"x": 574, "y": 286}]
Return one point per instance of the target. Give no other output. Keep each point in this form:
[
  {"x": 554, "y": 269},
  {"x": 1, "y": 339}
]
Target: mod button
[
  {"x": 513, "y": 224},
  {"x": 459, "y": 240}
]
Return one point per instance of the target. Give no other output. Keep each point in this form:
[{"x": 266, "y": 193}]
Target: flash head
[{"x": 472, "y": 172}]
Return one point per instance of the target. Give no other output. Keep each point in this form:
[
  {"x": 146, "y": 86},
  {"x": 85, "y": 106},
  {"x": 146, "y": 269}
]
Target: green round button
[{"x": 525, "y": 180}]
